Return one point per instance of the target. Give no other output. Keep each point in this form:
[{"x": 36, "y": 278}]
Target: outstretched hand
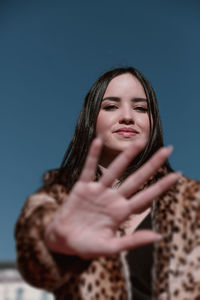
[{"x": 87, "y": 224}]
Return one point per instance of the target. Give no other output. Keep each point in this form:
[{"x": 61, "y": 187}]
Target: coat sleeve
[
  {"x": 38, "y": 265},
  {"x": 177, "y": 256}
]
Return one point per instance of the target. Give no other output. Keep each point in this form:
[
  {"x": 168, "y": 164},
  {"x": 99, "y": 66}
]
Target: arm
[
  {"x": 38, "y": 265},
  {"x": 52, "y": 238}
]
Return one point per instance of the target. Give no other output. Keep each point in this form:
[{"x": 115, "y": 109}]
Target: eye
[
  {"x": 141, "y": 109},
  {"x": 110, "y": 107}
]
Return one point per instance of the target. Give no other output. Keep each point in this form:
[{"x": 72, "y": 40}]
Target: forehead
[{"x": 125, "y": 85}]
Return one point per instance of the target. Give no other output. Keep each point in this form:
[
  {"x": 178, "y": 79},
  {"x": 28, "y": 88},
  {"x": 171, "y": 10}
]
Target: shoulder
[
  {"x": 186, "y": 182},
  {"x": 50, "y": 196},
  {"x": 187, "y": 190},
  {"x": 50, "y": 176},
  {"x": 178, "y": 208},
  {"x": 52, "y": 187}
]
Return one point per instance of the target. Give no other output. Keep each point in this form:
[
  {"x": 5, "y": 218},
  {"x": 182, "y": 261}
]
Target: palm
[
  {"x": 101, "y": 210},
  {"x": 90, "y": 218}
]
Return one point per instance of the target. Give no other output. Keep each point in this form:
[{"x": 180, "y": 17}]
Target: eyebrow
[{"x": 118, "y": 99}]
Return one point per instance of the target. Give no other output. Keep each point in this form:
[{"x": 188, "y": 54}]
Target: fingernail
[
  {"x": 169, "y": 148},
  {"x": 179, "y": 173},
  {"x": 158, "y": 237}
]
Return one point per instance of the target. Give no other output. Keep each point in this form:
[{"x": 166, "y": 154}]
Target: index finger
[{"x": 89, "y": 169}]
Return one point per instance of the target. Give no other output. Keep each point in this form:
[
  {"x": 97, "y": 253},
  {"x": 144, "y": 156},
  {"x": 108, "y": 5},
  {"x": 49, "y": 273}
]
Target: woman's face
[{"x": 123, "y": 116}]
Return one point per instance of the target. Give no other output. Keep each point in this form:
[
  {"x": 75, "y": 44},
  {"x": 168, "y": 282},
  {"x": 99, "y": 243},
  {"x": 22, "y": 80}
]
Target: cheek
[
  {"x": 144, "y": 124},
  {"x": 101, "y": 124}
]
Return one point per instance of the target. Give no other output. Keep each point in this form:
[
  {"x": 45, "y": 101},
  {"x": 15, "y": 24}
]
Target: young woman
[{"x": 77, "y": 235}]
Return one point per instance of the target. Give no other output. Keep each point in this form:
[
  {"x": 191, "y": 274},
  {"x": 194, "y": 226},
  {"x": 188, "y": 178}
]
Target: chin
[{"x": 122, "y": 145}]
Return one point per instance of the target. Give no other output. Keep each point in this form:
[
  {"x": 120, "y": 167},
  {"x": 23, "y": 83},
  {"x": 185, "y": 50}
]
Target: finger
[
  {"x": 121, "y": 162},
  {"x": 89, "y": 169},
  {"x": 136, "y": 180},
  {"x": 143, "y": 199},
  {"x": 135, "y": 240}
]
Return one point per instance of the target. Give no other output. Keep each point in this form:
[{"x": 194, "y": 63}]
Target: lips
[{"x": 126, "y": 132}]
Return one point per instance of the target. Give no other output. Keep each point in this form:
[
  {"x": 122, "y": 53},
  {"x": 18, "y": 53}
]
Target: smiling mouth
[{"x": 126, "y": 132}]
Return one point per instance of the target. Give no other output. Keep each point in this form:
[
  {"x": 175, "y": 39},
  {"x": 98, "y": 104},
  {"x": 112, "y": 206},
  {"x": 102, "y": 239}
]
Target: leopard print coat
[{"x": 176, "y": 271}]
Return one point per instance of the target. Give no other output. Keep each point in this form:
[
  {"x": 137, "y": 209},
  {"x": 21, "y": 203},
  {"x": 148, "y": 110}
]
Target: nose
[{"x": 126, "y": 116}]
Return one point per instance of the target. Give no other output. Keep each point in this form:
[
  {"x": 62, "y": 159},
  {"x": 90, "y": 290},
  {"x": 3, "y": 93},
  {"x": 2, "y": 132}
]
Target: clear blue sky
[{"x": 50, "y": 54}]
